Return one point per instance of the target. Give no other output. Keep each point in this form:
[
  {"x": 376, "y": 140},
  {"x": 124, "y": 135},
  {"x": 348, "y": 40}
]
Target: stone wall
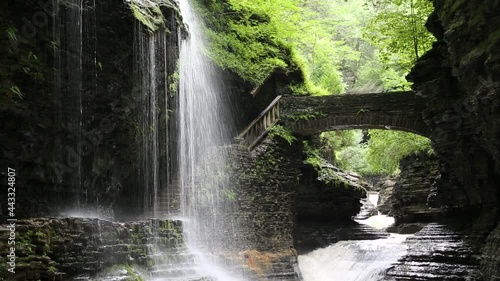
[
  {"x": 266, "y": 183},
  {"x": 63, "y": 249}
]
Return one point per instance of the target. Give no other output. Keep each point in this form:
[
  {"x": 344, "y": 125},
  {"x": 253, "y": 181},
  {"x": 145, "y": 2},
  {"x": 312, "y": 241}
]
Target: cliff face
[
  {"x": 334, "y": 198},
  {"x": 412, "y": 189},
  {"x": 459, "y": 79},
  {"x": 90, "y": 249},
  {"x": 70, "y": 109}
]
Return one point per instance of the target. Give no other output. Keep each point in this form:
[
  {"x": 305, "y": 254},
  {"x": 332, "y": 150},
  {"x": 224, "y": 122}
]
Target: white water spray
[
  {"x": 205, "y": 125},
  {"x": 359, "y": 260},
  {"x": 353, "y": 260}
]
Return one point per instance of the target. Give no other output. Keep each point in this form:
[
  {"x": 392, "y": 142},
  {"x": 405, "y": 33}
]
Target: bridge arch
[{"x": 310, "y": 115}]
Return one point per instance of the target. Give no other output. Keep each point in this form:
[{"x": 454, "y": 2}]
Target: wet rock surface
[
  {"x": 367, "y": 210},
  {"x": 490, "y": 260},
  {"x": 406, "y": 196},
  {"x": 459, "y": 81},
  {"x": 313, "y": 235},
  {"x": 67, "y": 248},
  {"x": 409, "y": 199},
  {"x": 331, "y": 195},
  {"x": 74, "y": 120},
  {"x": 438, "y": 252},
  {"x": 386, "y": 186}
]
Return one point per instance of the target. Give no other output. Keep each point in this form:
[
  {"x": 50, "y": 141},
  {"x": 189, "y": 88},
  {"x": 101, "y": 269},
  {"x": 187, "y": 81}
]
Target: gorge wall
[
  {"x": 459, "y": 79},
  {"x": 73, "y": 133},
  {"x": 406, "y": 197},
  {"x": 89, "y": 249}
]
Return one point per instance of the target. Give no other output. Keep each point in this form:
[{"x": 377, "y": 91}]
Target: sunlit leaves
[
  {"x": 399, "y": 31},
  {"x": 387, "y": 148}
]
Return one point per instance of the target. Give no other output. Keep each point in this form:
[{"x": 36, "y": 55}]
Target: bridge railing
[{"x": 259, "y": 127}]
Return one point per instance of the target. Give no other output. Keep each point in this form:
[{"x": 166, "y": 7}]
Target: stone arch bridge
[
  {"x": 394, "y": 110},
  {"x": 309, "y": 115}
]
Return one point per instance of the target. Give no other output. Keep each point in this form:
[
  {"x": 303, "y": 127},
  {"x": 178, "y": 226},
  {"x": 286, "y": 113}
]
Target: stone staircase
[{"x": 254, "y": 133}]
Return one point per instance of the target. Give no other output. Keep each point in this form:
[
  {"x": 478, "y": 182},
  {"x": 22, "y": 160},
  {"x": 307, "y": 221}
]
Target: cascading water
[
  {"x": 74, "y": 45},
  {"x": 150, "y": 57},
  {"x": 379, "y": 221},
  {"x": 155, "y": 51},
  {"x": 359, "y": 260},
  {"x": 205, "y": 124},
  {"x": 353, "y": 260},
  {"x": 68, "y": 37}
]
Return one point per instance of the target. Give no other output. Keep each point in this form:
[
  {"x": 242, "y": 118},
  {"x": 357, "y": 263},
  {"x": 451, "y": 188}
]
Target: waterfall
[
  {"x": 356, "y": 260},
  {"x": 70, "y": 36},
  {"x": 75, "y": 75},
  {"x": 150, "y": 50},
  {"x": 379, "y": 221},
  {"x": 205, "y": 125},
  {"x": 353, "y": 260},
  {"x": 154, "y": 57}
]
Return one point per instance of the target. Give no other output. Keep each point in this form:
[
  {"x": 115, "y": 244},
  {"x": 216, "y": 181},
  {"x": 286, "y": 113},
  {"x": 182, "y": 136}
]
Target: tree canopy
[{"x": 340, "y": 46}]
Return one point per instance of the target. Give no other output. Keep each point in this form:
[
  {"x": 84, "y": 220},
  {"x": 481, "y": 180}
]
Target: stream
[{"x": 356, "y": 260}]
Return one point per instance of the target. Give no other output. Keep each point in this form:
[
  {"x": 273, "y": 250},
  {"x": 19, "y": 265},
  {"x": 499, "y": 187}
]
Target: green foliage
[
  {"x": 305, "y": 115},
  {"x": 15, "y": 89},
  {"x": 337, "y": 140},
  {"x": 387, "y": 148},
  {"x": 313, "y": 156},
  {"x": 131, "y": 273},
  {"x": 353, "y": 158},
  {"x": 399, "y": 31},
  {"x": 173, "y": 81},
  {"x": 253, "y": 38},
  {"x": 246, "y": 37},
  {"x": 12, "y": 34},
  {"x": 349, "y": 154},
  {"x": 282, "y": 132},
  {"x": 326, "y": 173},
  {"x": 149, "y": 15},
  {"x": 18, "y": 64},
  {"x": 380, "y": 155},
  {"x": 337, "y": 44}
]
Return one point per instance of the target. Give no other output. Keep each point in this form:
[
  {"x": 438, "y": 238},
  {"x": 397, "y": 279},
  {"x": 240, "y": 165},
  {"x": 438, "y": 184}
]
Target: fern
[
  {"x": 282, "y": 132},
  {"x": 12, "y": 34},
  {"x": 15, "y": 89}
]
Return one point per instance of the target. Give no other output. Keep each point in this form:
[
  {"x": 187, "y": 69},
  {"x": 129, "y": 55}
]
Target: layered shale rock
[
  {"x": 330, "y": 194},
  {"x": 384, "y": 204},
  {"x": 63, "y": 249},
  {"x": 74, "y": 132},
  {"x": 459, "y": 79},
  {"x": 312, "y": 235},
  {"x": 438, "y": 252},
  {"x": 412, "y": 189},
  {"x": 490, "y": 260}
]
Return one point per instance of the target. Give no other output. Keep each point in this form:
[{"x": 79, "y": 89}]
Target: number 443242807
[{"x": 11, "y": 192}]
